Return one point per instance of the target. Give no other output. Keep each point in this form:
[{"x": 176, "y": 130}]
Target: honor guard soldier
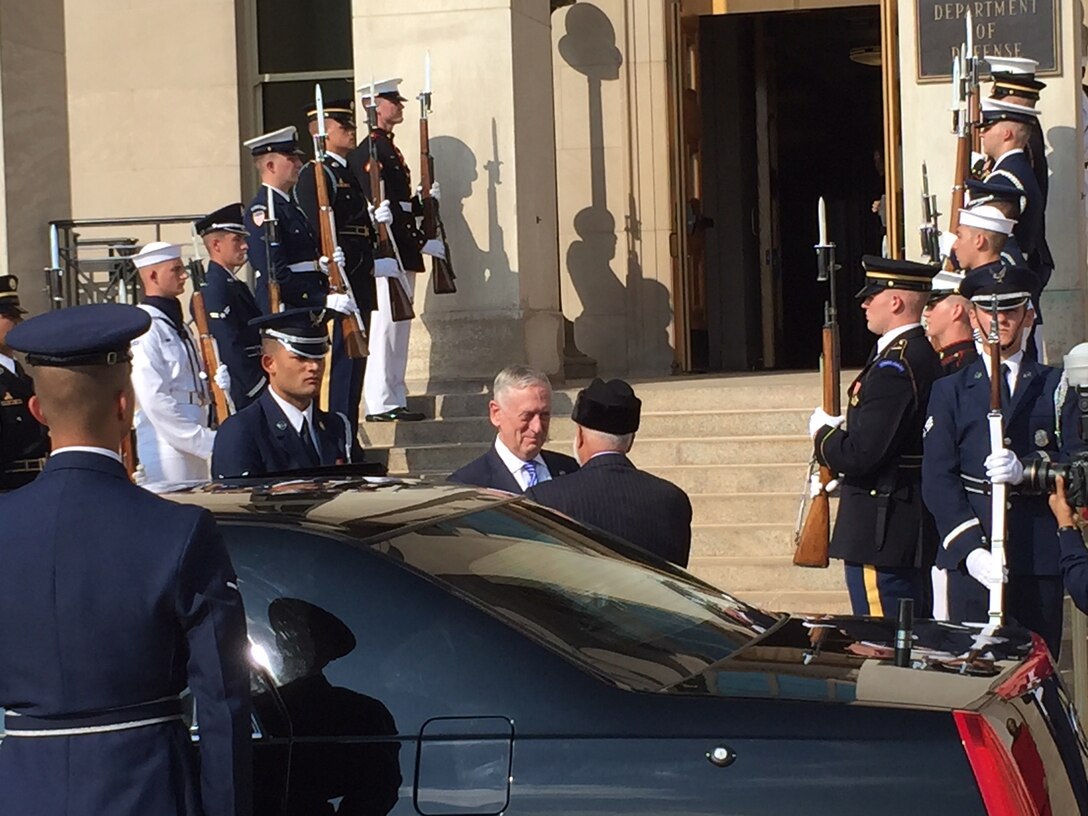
[
  {"x": 384, "y": 390},
  {"x": 173, "y": 437},
  {"x": 608, "y": 491},
  {"x": 288, "y": 255},
  {"x": 354, "y": 235},
  {"x": 230, "y": 303},
  {"x": 24, "y": 442},
  {"x": 112, "y": 606},
  {"x": 883, "y": 534},
  {"x": 1005, "y": 199},
  {"x": 948, "y": 324},
  {"x": 284, "y": 430},
  {"x": 959, "y": 468}
]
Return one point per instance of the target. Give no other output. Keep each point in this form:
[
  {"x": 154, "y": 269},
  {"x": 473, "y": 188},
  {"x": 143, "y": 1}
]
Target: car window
[{"x": 644, "y": 625}]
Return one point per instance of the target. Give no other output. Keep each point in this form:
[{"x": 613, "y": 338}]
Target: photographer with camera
[
  {"x": 959, "y": 467},
  {"x": 1074, "y": 556}
]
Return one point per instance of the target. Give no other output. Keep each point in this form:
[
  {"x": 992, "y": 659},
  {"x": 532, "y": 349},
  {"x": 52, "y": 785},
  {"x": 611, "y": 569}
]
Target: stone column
[
  {"x": 34, "y": 184},
  {"x": 493, "y": 139}
]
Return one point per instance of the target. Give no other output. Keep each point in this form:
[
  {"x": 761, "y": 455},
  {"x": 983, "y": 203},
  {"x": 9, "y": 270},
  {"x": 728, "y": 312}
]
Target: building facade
[{"x": 629, "y": 186}]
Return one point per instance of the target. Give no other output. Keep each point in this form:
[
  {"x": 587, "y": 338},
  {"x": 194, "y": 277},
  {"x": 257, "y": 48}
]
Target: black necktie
[
  {"x": 1006, "y": 392},
  {"x": 308, "y": 444}
]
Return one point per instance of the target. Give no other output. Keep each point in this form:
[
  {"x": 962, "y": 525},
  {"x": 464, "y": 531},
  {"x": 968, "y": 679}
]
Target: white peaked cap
[
  {"x": 987, "y": 218},
  {"x": 284, "y": 139},
  {"x": 990, "y": 105},
  {"x": 382, "y": 86},
  {"x": 1012, "y": 65},
  {"x": 156, "y": 252},
  {"x": 947, "y": 281}
]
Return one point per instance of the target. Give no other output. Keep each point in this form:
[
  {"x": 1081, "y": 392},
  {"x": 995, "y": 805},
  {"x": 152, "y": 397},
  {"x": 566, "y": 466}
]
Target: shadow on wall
[{"x": 623, "y": 322}]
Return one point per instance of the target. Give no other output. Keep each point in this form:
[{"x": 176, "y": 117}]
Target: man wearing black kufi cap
[
  {"x": 24, "y": 442},
  {"x": 608, "y": 491},
  {"x": 113, "y": 601},
  {"x": 883, "y": 534},
  {"x": 959, "y": 468},
  {"x": 284, "y": 429}
]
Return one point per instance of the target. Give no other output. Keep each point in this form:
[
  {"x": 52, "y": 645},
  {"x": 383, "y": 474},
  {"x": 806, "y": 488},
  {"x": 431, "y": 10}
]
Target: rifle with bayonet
[
  {"x": 209, "y": 349},
  {"x": 965, "y": 117},
  {"x": 400, "y": 302},
  {"x": 271, "y": 244},
  {"x": 998, "y": 491},
  {"x": 931, "y": 228},
  {"x": 351, "y": 328},
  {"x": 814, "y": 538},
  {"x": 496, "y": 245},
  {"x": 442, "y": 276}
]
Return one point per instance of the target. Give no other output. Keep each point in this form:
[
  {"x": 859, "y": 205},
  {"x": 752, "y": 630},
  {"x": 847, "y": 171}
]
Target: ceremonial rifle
[
  {"x": 998, "y": 492},
  {"x": 209, "y": 349},
  {"x": 400, "y": 302},
  {"x": 351, "y": 329},
  {"x": 442, "y": 277},
  {"x": 272, "y": 242},
  {"x": 965, "y": 117},
  {"x": 931, "y": 230},
  {"x": 815, "y": 536},
  {"x": 128, "y": 454}
]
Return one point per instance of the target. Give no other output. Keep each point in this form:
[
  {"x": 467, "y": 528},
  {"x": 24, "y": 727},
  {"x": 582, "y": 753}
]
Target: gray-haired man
[{"x": 521, "y": 411}]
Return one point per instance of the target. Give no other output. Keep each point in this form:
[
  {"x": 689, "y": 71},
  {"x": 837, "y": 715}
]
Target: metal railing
[{"x": 91, "y": 258}]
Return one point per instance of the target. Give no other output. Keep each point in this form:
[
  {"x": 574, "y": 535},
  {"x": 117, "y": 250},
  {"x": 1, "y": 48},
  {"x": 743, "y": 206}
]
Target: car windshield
[{"x": 640, "y": 623}]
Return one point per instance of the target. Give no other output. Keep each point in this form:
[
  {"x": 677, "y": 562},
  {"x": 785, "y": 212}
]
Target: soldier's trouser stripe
[
  {"x": 957, "y": 530},
  {"x": 872, "y": 590},
  {"x": 939, "y": 577}
]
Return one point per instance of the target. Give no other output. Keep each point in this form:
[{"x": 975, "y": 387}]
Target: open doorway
[{"x": 787, "y": 116}]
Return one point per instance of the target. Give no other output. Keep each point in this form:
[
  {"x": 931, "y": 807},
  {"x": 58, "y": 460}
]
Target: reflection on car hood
[{"x": 849, "y": 659}]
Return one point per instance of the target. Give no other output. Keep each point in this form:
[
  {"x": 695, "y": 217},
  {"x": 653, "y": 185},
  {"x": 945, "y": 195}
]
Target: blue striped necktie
[{"x": 530, "y": 469}]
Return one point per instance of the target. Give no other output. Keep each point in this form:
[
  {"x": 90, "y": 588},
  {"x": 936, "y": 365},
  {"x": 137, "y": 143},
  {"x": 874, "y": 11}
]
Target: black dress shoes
[{"x": 401, "y": 414}]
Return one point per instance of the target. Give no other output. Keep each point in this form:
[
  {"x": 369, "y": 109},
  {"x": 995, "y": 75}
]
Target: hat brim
[{"x": 869, "y": 289}]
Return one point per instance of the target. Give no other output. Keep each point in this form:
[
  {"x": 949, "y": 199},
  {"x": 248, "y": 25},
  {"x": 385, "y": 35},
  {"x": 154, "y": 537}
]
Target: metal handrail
[{"x": 68, "y": 284}]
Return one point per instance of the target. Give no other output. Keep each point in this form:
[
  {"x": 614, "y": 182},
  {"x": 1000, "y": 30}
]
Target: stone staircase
[{"x": 737, "y": 444}]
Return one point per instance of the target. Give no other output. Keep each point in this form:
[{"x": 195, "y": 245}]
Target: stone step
[
  {"x": 779, "y": 421},
  {"x": 825, "y": 602},
  {"x": 754, "y": 540},
  {"x": 757, "y": 478},
  {"x": 743, "y": 508},
  {"x": 741, "y": 574}
]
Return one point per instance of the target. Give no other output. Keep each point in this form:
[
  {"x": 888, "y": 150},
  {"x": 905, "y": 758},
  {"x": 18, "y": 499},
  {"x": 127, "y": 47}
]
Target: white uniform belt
[
  {"x": 141, "y": 715},
  {"x": 304, "y": 266}
]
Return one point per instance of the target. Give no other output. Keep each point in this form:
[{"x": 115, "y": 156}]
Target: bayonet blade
[{"x": 320, "y": 102}]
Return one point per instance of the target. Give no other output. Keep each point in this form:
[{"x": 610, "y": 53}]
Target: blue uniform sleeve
[
  {"x": 876, "y": 424},
  {"x": 942, "y": 489},
  {"x": 259, "y": 251},
  {"x": 226, "y": 329},
  {"x": 236, "y": 452},
  {"x": 1073, "y": 562},
  {"x": 209, "y": 607}
]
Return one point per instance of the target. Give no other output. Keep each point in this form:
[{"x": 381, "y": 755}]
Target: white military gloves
[
  {"x": 382, "y": 214},
  {"x": 435, "y": 248},
  {"x": 342, "y": 303},
  {"x": 338, "y": 258},
  {"x": 222, "y": 378},
  {"x": 436, "y": 192},
  {"x": 386, "y": 268},
  {"x": 815, "y": 488},
  {"x": 820, "y": 418},
  {"x": 946, "y": 240},
  {"x": 1003, "y": 467},
  {"x": 984, "y": 568}
]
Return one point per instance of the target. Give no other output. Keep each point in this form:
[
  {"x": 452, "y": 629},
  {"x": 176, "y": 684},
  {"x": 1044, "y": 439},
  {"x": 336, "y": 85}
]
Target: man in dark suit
[
  {"x": 24, "y": 442},
  {"x": 112, "y": 602},
  {"x": 521, "y": 411},
  {"x": 283, "y": 429},
  {"x": 609, "y": 492},
  {"x": 230, "y": 303}
]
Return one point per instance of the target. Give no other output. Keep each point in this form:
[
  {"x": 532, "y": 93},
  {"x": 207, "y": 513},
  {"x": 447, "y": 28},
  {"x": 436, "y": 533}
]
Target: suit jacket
[
  {"x": 259, "y": 440},
  {"x": 881, "y": 518},
  {"x": 490, "y": 471},
  {"x": 117, "y": 599},
  {"x": 21, "y": 436},
  {"x": 609, "y": 492},
  {"x": 957, "y": 442},
  {"x": 230, "y": 306}
]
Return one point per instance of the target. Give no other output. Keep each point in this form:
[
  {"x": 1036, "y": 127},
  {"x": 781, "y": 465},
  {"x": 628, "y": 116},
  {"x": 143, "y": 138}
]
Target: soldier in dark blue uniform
[
  {"x": 112, "y": 606},
  {"x": 284, "y": 429},
  {"x": 295, "y": 258},
  {"x": 24, "y": 442},
  {"x": 883, "y": 534},
  {"x": 958, "y": 467},
  {"x": 354, "y": 235},
  {"x": 230, "y": 303}
]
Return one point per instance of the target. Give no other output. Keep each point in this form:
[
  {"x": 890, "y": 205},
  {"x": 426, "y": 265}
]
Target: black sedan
[{"x": 442, "y": 650}]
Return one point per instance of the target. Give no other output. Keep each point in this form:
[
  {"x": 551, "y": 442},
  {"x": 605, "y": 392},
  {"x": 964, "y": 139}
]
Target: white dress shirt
[
  {"x": 516, "y": 466},
  {"x": 887, "y": 339},
  {"x": 111, "y": 454},
  {"x": 7, "y": 362},
  {"x": 1014, "y": 363}
]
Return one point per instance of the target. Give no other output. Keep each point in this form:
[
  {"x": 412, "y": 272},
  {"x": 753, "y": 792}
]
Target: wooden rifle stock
[
  {"x": 815, "y": 536},
  {"x": 210, "y": 356},
  {"x": 355, "y": 340},
  {"x": 128, "y": 454},
  {"x": 959, "y": 188},
  {"x": 400, "y": 303},
  {"x": 442, "y": 277}
]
